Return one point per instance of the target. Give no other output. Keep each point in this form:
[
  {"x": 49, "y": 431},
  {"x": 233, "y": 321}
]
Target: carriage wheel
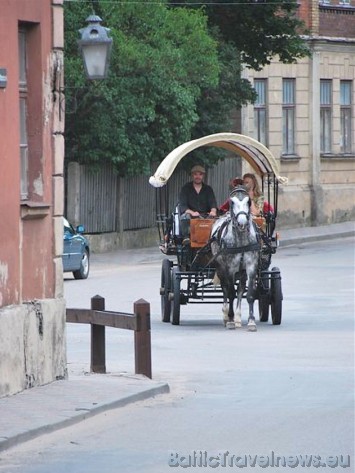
[
  {"x": 165, "y": 289},
  {"x": 176, "y": 283},
  {"x": 276, "y": 296},
  {"x": 264, "y": 300}
]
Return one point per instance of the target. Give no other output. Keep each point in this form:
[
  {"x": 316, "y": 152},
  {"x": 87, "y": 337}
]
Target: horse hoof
[
  {"x": 230, "y": 325},
  {"x": 238, "y": 324},
  {"x": 252, "y": 328}
]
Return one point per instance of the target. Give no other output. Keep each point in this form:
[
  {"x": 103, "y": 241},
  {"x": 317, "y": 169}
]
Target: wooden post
[
  {"x": 142, "y": 341},
  {"x": 98, "y": 348}
]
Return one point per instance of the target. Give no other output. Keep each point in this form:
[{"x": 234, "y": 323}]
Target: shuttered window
[
  {"x": 345, "y": 116},
  {"x": 260, "y": 111},
  {"x": 288, "y": 116}
]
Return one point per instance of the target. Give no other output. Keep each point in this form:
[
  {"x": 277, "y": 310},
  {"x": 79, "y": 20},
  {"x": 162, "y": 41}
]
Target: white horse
[{"x": 235, "y": 247}]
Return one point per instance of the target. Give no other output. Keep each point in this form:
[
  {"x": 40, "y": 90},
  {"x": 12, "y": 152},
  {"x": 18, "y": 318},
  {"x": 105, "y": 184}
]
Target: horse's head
[{"x": 240, "y": 207}]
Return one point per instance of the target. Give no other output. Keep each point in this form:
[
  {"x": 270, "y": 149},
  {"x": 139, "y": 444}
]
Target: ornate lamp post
[{"x": 95, "y": 46}]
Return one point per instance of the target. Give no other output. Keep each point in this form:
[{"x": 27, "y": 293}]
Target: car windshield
[{"x": 67, "y": 227}]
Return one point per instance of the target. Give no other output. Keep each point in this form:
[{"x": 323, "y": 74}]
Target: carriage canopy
[{"x": 254, "y": 152}]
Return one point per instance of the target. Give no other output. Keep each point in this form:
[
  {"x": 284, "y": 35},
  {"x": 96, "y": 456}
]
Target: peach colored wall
[
  {"x": 31, "y": 231},
  {"x": 26, "y": 246},
  {"x": 9, "y": 164}
]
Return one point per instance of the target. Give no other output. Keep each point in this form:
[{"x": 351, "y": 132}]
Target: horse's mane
[{"x": 238, "y": 191}]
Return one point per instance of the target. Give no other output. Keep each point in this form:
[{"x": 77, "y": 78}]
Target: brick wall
[
  {"x": 308, "y": 11},
  {"x": 332, "y": 19},
  {"x": 337, "y": 21}
]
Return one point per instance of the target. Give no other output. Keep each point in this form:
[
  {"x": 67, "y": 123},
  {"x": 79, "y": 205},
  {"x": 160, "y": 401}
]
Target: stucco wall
[
  {"x": 32, "y": 335},
  {"x": 32, "y": 345},
  {"x": 336, "y": 204},
  {"x": 321, "y": 188}
]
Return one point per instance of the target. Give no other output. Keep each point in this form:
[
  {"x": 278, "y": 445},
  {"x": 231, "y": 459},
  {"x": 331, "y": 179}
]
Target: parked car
[{"x": 76, "y": 251}]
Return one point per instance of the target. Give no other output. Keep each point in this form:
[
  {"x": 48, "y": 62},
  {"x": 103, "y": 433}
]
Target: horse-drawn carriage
[{"x": 231, "y": 246}]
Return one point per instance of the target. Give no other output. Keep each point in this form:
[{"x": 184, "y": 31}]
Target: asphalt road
[{"x": 266, "y": 398}]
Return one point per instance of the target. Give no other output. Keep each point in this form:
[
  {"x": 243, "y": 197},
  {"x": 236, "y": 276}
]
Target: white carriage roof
[{"x": 254, "y": 152}]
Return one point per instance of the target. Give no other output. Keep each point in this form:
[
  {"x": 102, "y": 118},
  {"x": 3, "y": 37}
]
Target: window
[
  {"x": 325, "y": 116},
  {"x": 260, "y": 118},
  {"x": 288, "y": 116},
  {"x": 23, "y": 114},
  {"x": 345, "y": 116}
]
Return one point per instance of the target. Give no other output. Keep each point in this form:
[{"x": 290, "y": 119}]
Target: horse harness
[{"x": 227, "y": 249}]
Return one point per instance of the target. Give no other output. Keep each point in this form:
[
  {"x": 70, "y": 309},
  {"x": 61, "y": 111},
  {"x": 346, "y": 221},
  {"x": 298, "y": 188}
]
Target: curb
[
  {"x": 83, "y": 413},
  {"x": 296, "y": 240}
]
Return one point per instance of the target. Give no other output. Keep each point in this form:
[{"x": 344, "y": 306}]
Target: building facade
[
  {"x": 32, "y": 308},
  {"x": 304, "y": 113}
]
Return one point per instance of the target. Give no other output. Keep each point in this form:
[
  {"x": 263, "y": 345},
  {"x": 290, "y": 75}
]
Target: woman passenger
[{"x": 255, "y": 194}]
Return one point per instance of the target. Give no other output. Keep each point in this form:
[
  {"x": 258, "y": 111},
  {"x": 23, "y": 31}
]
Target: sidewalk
[
  {"x": 45, "y": 409},
  {"x": 296, "y": 236}
]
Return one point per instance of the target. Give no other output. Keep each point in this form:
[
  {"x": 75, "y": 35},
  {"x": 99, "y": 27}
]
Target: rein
[
  {"x": 241, "y": 249},
  {"x": 225, "y": 249},
  {"x": 234, "y": 218}
]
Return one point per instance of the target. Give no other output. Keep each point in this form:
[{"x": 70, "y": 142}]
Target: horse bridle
[{"x": 234, "y": 217}]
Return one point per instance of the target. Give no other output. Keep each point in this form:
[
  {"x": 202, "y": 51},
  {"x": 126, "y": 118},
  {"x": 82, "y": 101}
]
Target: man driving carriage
[{"x": 197, "y": 199}]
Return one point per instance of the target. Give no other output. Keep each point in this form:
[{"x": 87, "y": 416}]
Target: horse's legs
[
  {"x": 240, "y": 290},
  {"x": 231, "y": 297},
  {"x": 228, "y": 300},
  {"x": 238, "y": 311},
  {"x": 225, "y": 307},
  {"x": 251, "y": 299}
]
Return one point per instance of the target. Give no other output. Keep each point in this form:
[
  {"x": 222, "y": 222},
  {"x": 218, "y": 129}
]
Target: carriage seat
[
  {"x": 266, "y": 223},
  {"x": 260, "y": 222},
  {"x": 197, "y": 235},
  {"x": 200, "y": 231}
]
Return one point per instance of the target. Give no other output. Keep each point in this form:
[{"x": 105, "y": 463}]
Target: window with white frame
[
  {"x": 345, "y": 116},
  {"x": 288, "y": 116},
  {"x": 325, "y": 116},
  {"x": 260, "y": 112},
  {"x": 23, "y": 113}
]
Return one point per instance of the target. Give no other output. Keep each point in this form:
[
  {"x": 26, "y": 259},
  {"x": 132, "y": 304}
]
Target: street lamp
[{"x": 95, "y": 46}]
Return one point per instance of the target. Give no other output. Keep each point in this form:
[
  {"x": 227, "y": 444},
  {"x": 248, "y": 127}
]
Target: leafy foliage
[
  {"x": 175, "y": 75},
  {"x": 260, "y": 29},
  {"x": 162, "y": 59},
  {"x": 217, "y": 104}
]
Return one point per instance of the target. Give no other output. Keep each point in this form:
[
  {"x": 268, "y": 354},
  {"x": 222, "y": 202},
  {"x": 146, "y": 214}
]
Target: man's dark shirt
[{"x": 201, "y": 202}]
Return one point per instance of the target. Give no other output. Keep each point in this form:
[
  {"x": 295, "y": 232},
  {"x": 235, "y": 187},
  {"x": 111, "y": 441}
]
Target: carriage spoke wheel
[
  {"x": 176, "y": 284},
  {"x": 165, "y": 289},
  {"x": 276, "y": 296},
  {"x": 264, "y": 299}
]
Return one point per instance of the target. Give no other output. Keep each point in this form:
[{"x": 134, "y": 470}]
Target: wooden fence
[
  {"x": 104, "y": 202},
  {"x": 99, "y": 318}
]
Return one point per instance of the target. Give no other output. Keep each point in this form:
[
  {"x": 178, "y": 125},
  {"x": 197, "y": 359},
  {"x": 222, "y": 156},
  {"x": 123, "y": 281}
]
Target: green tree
[
  {"x": 259, "y": 29},
  {"x": 217, "y": 105},
  {"x": 163, "y": 59},
  {"x": 252, "y": 33}
]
